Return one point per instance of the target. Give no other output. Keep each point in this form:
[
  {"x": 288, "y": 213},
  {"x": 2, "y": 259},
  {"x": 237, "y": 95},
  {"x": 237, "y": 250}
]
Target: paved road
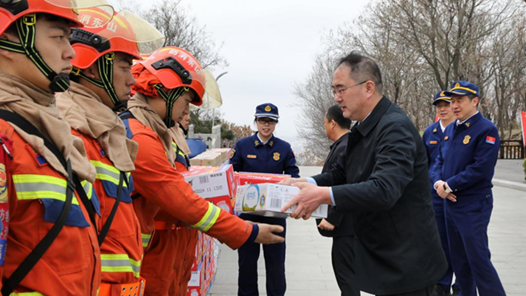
[{"x": 309, "y": 270}]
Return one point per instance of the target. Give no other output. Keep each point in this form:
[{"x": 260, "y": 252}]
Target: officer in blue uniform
[
  {"x": 263, "y": 153},
  {"x": 462, "y": 175},
  {"x": 432, "y": 137}
]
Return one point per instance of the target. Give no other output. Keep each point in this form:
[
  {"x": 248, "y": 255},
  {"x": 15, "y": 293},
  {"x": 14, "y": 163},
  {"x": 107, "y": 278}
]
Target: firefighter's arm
[{"x": 159, "y": 182}]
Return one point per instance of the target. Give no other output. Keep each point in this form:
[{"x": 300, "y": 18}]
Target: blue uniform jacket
[
  {"x": 275, "y": 157},
  {"x": 467, "y": 157},
  {"x": 432, "y": 137}
]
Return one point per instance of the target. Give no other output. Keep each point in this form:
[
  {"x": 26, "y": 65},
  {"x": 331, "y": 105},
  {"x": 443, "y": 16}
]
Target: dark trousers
[
  {"x": 427, "y": 291},
  {"x": 467, "y": 229},
  {"x": 342, "y": 258},
  {"x": 274, "y": 263},
  {"x": 438, "y": 206}
]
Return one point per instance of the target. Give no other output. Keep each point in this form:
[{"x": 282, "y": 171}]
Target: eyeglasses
[
  {"x": 266, "y": 121},
  {"x": 339, "y": 92}
]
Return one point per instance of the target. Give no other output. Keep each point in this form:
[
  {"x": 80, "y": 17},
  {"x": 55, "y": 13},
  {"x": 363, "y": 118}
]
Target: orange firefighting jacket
[
  {"x": 121, "y": 251},
  {"x": 168, "y": 260},
  {"x": 36, "y": 193},
  {"x": 159, "y": 185}
]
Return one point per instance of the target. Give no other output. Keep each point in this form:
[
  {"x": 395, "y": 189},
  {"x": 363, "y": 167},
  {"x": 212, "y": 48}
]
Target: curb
[{"x": 509, "y": 184}]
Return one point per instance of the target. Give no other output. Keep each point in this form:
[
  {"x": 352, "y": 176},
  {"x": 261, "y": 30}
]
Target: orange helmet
[
  {"x": 23, "y": 13},
  {"x": 11, "y": 10},
  {"x": 175, "y": 67},
  {"x": 125, "y": 33}
]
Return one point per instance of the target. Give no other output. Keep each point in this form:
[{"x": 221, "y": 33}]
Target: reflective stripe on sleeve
[
  {"x": 145, "y": 239},
  {"x": 27, "y": 294},
  {"x": 120, "y": 263},
  {"x": 209, "y": 219},
  {"x": 108, "y": 173},
  {"x": 88, "y": 188},
  {"x": 30, "y": 187}
]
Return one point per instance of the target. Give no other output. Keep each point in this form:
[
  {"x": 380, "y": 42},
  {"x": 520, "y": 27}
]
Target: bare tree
[
  {"x": 423, "y": 45},
  {"x": 317, "y": 98},
  {"x": 180, "y": 29}
]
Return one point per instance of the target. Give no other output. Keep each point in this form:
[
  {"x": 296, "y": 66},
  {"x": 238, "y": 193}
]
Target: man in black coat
[
  {"x": 338, "y": 225},
  {"x": 383, "y": 181}
]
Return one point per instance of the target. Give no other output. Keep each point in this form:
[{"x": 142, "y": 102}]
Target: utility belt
[
  {"x": 160, "y": 225},
  {"x": 128, "y": 289}
]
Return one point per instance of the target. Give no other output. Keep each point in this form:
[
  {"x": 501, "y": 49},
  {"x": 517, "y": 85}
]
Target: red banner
[{"x": 523, "y": 126}]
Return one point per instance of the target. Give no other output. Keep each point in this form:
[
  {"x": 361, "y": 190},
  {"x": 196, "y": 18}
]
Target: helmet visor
[
  {"x": 212, "y": 97},
  {"x": 105, "y": 10},
  {"x": 133, "y": 28}
]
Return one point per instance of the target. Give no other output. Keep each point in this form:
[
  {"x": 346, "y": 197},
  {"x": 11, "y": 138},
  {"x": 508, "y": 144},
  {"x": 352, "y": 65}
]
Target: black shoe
[
  {"x": 456, "y": 290},
  {"x": 440, "y": 291}
]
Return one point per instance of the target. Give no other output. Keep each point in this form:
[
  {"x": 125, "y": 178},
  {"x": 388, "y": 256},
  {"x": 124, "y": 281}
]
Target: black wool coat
[{"x": 383, "y": 180}]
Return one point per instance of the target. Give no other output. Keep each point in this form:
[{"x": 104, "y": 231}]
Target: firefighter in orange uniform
[
  {"x": 166, "y": 83},
  {"x": 52, "y": 246},
  {"x": 170, "y": 267},
  {"x": 102, "y": 71}
]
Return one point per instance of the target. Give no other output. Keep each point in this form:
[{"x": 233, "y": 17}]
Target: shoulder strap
[
  {"x": 72, "y": 181},
  {"x": 126, "y": 115},
  {"x": 106, "y": 227}
]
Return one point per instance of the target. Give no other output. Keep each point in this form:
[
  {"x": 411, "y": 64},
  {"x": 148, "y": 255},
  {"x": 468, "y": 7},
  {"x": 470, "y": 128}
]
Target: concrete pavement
[{"x": 308, "y": 264}]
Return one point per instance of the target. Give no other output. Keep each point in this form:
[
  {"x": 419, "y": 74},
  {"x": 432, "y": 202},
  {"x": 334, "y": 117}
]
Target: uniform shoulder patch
[{"x": 490, "y": 140}]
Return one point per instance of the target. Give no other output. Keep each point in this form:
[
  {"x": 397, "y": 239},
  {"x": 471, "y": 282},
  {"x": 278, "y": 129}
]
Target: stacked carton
[
  {"x": 216, "y": 184},
  {"x": 205, "y": 266},
  {"x": 213, "y": 157}
]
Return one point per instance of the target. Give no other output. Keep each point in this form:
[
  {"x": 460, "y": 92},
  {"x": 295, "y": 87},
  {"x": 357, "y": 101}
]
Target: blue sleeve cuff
[
  {"x": 253, "y": 235},
  {"x": 332, "y": 196},
  {"x": 311, "y": 180}
]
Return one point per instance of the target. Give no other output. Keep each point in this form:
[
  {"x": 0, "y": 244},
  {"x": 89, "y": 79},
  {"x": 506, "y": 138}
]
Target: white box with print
[{"x": 267, "y": 199}]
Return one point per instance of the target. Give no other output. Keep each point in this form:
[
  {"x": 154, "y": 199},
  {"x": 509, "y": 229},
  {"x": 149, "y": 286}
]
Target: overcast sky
[{"x": 270, "y": 47}]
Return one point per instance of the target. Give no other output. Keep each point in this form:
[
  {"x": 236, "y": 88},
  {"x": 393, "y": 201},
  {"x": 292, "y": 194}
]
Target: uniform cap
[
  {"x": 441, "y": 96},
  {"x": 267, "y": 110},
  {"x": 462, "y": 88}
]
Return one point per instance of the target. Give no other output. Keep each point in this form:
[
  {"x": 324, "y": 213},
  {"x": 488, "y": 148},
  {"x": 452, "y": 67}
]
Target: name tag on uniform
[
  {"x": 252, "y": 156},
  {"x": 433, "y": 142}
]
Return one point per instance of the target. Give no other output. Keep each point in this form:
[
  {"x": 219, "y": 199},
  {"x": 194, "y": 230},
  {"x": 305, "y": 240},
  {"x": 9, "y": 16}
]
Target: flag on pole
[{"x": 523, "y": 126}]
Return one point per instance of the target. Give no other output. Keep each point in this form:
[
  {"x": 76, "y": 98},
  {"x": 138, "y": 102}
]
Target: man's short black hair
[
  {"x": 362, "y": 69},
  {"x": 335, "y": 113}
]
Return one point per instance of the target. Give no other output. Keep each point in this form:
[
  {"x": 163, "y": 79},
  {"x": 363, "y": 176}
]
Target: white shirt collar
[
  {"x": 459, "y": 123},
  {"x": 261, "y": 140}
]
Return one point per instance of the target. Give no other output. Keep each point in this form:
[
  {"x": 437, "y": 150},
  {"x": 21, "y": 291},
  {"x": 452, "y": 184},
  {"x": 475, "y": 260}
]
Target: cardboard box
[
  {"x": 267, "y": 200},
  {"x": 258, "y": 178},
  {"x": 226, "y": 153},
  {"x": 207, "y": 158},
  {"x": 214, "y": 183}
]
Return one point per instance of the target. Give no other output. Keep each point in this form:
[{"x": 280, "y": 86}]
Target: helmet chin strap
[
  {"x": 105, "y": 67},
  {"x": 170, "y": 99},
  {"x": 26, "y": 30}
]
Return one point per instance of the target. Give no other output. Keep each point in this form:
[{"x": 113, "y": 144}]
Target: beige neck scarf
[
  {"x": 85, "y": 112},
  {"x": 38, "y": 107},
  {"x": 140, "y": 108},
  {"x": 179, "y": 138}
]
